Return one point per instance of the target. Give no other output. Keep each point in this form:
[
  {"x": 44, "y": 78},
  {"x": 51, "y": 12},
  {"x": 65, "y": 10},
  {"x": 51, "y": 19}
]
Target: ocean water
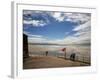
[{"x": 83, "y": 52}]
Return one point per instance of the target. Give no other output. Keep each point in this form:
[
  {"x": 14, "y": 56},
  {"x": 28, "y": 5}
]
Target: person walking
[
  {"x": 46, "y": 53},
  {"x": 72, "y": 56}
]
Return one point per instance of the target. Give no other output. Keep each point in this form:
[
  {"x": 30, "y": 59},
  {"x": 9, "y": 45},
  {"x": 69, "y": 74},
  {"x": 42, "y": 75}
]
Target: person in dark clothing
[
  {"x": 72, "y": 57},
  {"x": 46, "y": 53}
]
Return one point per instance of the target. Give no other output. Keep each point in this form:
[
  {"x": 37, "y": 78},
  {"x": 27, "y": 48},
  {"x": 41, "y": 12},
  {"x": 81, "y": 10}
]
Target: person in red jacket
[{"x": 64, "y": 50}]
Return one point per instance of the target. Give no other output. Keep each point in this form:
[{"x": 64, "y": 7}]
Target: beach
[{"x": 36, "y": 62}]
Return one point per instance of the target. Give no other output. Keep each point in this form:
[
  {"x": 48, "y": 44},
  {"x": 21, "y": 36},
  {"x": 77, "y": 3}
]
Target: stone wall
[{"x": 25, "y": 46}]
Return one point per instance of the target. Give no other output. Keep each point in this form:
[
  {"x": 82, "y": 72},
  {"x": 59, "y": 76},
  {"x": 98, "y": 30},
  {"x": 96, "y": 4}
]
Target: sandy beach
[{"x": 34, "y": 62}]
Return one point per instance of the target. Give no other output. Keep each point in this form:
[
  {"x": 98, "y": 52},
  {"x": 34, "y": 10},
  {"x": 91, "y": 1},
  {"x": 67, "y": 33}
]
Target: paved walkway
[{"x": 49, "y": 62}]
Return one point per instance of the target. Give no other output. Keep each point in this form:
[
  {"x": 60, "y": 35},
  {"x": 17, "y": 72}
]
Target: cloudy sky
[{"x": 57, "y": 27}]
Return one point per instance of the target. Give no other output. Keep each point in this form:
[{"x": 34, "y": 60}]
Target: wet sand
[{"x": 34, "y": 62}]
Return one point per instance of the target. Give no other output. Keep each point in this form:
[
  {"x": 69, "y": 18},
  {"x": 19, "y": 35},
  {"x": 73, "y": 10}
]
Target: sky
[{"x": 57, "y": 27}]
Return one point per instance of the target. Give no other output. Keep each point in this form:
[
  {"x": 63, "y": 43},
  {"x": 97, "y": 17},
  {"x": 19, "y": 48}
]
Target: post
[
  {"x": 65, "y": 54},
  {"x": 83, "y": 59}
]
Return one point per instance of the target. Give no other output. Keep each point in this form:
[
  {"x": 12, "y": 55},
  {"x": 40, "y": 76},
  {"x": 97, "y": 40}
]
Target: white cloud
[
  {"x": 57, "y": 16},
  {"x": 83, "y": 33},
  {"x": 35, "y": 23},
  {"x": 67, "y": 40},
  {"x": 36, "y": 18},
  {"x": 71, "y": 17},
  {"x": 77, "y": 17},
  {"x": 73, "y": 40},
  {"x": 83, "y": 26},
  {"x": 36, "y": 40},
  {"x": 27, "y": 12},
  {"x": 36, "y": 36}
]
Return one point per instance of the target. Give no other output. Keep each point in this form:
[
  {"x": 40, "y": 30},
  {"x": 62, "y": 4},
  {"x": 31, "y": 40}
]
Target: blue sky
[{"x": 57, "y": 27}]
